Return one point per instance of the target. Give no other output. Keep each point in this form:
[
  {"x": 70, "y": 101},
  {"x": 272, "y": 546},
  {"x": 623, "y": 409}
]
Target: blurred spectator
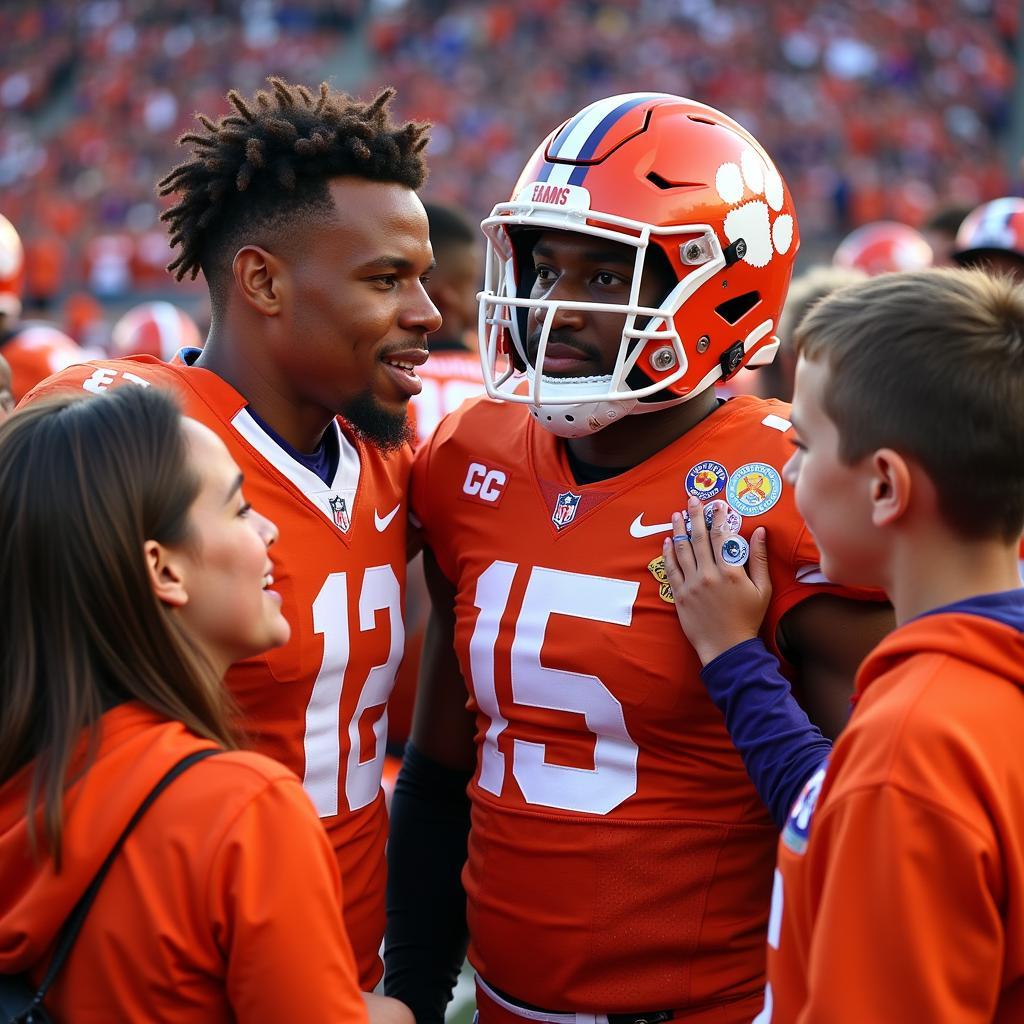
[
  {"x": 876, "y": 111},
  {"x": 941, "y": 228},
  {"x": 83, "y": 320},
  {"x": 992, "y": 236},
  {"x": 452, "y": 374},
  {"x": 883, "y": 247},
  {"x": 776, "y": 379},
  {"x": 33, "y": 350}
]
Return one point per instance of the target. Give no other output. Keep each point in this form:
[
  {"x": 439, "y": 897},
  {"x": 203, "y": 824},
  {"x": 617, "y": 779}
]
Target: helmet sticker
[{"x": 752, "y": 220}]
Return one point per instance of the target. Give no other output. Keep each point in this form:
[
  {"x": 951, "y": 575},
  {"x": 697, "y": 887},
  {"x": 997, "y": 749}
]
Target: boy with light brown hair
[{"x": 899, "y": 891}]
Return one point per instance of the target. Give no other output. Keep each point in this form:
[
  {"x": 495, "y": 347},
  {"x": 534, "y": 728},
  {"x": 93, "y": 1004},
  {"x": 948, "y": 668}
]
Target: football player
[
  {"x": 453, "y": 373},
  {"x": 619, "y": 861},
  {"x": 301, "y": 212},
  {"x": 449, "y": 377},
  {"x": 33, "y": 349}
]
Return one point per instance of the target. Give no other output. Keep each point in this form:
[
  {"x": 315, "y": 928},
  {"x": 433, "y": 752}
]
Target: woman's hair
[{"x": 84, "y": 483}]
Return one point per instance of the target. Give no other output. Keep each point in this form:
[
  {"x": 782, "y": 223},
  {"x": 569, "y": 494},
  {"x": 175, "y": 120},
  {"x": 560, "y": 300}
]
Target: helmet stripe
[{"x": 581, "y": 136}]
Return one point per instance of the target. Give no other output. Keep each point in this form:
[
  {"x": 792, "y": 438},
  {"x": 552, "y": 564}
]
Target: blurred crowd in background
[{"x": 872, "y": 110}]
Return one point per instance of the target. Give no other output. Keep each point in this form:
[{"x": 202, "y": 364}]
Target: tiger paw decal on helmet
[{"x": 752, "y": 219}]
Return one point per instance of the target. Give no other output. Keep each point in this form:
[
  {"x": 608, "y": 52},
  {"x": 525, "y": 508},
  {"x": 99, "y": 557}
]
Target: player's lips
[
  {"x": 562, "y": 358},
  {"x": 401, "y": 367}
]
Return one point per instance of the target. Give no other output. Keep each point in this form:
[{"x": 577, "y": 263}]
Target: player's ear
[
  {"x": 891, "y": 483},
  {"x": 166, "y": 577},
  {"x": 259, "y": 277}
]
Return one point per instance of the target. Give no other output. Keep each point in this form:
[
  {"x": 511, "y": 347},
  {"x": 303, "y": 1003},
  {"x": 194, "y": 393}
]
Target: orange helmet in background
[
  {"x": 882, "y": 247},
  {"x": 12, "y": 269},
  {"x": 154, "y": 329}
]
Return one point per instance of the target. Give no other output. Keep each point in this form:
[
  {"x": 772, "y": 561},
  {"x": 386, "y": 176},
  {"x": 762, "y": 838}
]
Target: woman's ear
[
  {"x": 166, "y": 576},
  {"x": 891, "y": 484}
]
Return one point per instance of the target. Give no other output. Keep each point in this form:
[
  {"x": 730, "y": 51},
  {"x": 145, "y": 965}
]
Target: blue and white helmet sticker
[{"x": 754, "y": 488}]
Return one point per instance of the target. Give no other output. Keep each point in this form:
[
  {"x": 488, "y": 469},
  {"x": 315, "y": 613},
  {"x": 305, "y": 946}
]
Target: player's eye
[{"x": 245, "y": 509}]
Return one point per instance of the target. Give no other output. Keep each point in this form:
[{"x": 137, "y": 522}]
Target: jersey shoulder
[{"x": 98, "y": 375}]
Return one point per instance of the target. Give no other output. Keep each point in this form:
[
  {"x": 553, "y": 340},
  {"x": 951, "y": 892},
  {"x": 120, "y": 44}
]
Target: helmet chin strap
[{"x": 581, "y": 419}]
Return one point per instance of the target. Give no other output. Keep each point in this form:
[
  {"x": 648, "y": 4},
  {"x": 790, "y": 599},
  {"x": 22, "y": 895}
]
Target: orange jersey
[
  {"x": 36, "y": 350},
  {"x": 449, "y": 377},
  {"x": 899, "y": 894},
  {"x": 318, "y": 704},
  {"x": 619, "y": 858},
  {"x": 179, "y": 929}
]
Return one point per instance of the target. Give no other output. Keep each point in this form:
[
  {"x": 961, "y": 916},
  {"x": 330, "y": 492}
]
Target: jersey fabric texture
[
  {"x": 619, "y": 858},
  {"x": 318, "y": 704},
  {"x": 36, "y": 350},
  {"x": 222, "y": 904},
  {"x": 900, "y": 886}
]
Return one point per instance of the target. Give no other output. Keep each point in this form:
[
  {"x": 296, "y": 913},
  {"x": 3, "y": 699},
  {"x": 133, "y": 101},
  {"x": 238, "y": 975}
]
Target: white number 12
[{"x": 380, "y": 592}]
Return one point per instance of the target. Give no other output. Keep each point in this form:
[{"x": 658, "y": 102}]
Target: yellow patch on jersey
[{"x": 657, "y": 568}]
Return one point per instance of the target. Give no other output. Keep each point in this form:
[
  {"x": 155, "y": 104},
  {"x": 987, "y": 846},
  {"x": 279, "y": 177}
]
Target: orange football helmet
[
  {"x": 884, "y": 246},
  {"x": 994, "y": 228},
  {"x": 12, "y": 269},
  {"x": 644, "y": 170},
  {"x": 154, "y": 329}
]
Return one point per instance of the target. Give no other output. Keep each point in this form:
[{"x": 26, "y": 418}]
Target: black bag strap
[{"x": 73, "y": 925}]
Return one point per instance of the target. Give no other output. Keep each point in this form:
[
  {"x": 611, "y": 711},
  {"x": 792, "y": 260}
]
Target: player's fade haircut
[
  {"x": 84, "y": 483},
  {"x": 930, "y": 363},
  {"x": 266, "y": 166}
]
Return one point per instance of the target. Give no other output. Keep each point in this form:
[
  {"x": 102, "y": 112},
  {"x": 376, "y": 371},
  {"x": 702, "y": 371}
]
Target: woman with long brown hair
[{"x": 132, "y": 573}]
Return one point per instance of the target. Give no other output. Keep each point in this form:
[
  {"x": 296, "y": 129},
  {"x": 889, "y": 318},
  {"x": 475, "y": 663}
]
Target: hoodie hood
[
  {"x": 986, "y": 633},
  {"x": 135, "y": 748}
]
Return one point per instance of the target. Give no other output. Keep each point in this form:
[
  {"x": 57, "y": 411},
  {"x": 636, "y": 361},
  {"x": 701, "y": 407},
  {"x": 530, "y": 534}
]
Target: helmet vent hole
[
  {"x": 701, "y": 120},
  {"x": 570, "y": 419},
  {"x": 664, "y": 184},
  {"x": 733, "y": 310}
]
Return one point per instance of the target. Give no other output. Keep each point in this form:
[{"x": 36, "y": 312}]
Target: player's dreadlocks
[{"x": 271, "y": 161}]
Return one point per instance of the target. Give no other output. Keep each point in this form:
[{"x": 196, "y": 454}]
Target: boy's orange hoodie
[
  {"x": 222, "y": 904},
  {"x": 900, "y": 889}
]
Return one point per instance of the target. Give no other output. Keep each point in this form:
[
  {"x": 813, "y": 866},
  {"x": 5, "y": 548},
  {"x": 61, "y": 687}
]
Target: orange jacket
[
  {"x": 221, "y": 906},
  {"x": 899, "y": 894}
]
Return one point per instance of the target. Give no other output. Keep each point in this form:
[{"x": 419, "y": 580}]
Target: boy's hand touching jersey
[{"x": 719, "y": 605}]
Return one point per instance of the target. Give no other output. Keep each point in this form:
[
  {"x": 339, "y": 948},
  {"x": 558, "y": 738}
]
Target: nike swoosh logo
[
  {"x": 637, "y": 528},
  {"x": 383, "y": 522}
]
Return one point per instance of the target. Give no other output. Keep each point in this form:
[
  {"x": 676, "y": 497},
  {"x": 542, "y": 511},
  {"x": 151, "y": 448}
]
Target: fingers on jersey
[{"x": 718, "y": 604}]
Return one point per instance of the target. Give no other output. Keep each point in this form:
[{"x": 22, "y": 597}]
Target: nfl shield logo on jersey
[
  {"x": 341, "y": 517},
  {"x": 565, "y": 509}
]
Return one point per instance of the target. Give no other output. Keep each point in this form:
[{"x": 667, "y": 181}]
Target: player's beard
[{"x": 377, "y": 426}]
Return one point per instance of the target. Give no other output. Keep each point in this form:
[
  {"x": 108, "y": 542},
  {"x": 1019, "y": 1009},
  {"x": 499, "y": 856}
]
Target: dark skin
[
  {"x": 322, "y": 314},
  {"x": 825, "y": 637}
]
